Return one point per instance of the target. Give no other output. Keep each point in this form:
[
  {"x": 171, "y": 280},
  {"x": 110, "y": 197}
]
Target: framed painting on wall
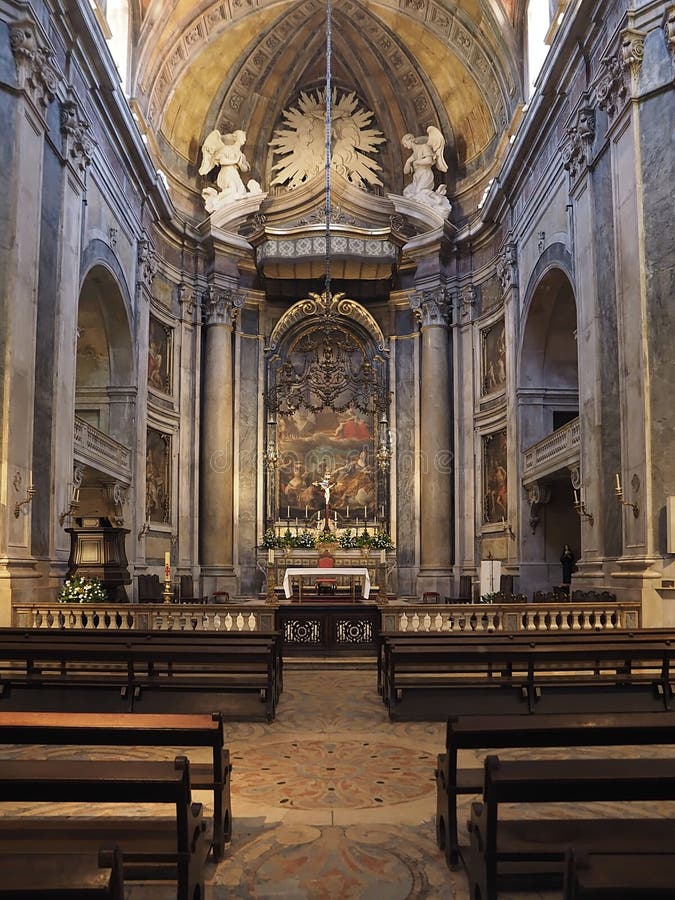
[
  {"x": 495, "y": 480},
  {"x": 158, "y": 477},
  {"x": 493, "y": 358},
  {"x": 160, "y": 340}
]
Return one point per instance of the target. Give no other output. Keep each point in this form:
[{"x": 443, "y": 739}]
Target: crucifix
[{"x": 325, "y": 484}]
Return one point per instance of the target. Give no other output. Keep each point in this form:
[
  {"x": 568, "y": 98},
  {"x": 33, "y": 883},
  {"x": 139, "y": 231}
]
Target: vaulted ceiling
[{"x": 237, "y": 64}]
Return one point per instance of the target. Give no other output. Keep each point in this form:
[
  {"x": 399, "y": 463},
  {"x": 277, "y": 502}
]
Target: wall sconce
[
  {"x": 580, "y": 507},
  {"x": 19, "y": 503},
  {"x": 74, "y": 505},
  {"x": 618, "y": 490},
  {"x": 144, "y": 530}
]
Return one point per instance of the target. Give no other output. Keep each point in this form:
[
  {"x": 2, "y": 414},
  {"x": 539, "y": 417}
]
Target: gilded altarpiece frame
[
  {"x": 495, "y": 478},
  {"x": 326, "y": 412}
]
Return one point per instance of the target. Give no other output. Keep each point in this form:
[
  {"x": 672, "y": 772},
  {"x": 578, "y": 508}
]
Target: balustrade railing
[
  {"x": 92, "y": 445},
  {"x": 552, "y": 452},
  {"x": 107, "y": 617},
  {"x": 487, "y": 618}
]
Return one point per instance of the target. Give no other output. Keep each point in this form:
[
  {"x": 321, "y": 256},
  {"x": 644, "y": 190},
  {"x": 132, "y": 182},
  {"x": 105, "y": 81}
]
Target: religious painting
[
  {"x": 157, "y": 477},
  {"x": 159, "y": 356},
  {"x": 493, "y": 347},
  {"x": 495, "y": 506},
  {"x": 313, "y": 444}
]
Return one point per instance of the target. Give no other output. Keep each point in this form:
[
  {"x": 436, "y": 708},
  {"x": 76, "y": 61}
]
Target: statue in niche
[
  {"x": 302, "y": 141},
  {"x": 225, "y": 151},
  {"x": 426, "y": 151}
]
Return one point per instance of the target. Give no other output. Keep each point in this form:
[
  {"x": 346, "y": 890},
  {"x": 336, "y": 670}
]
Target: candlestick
[
  {"x": 270, "y": 556},
  {"x": 336, "y": 517},
  {"x": 167, "y": 565},
  {"x": 576, "y": 496}
]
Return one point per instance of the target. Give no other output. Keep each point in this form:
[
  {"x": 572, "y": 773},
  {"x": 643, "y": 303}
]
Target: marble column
[
  {"x": 217, "y": 437},
  {"x": 436, "y": 469}
]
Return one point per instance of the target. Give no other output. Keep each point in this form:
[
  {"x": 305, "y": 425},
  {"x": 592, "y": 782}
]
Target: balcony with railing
[
  {"x": 94, "y": 448},
  {"x": 556, "y": 451}
]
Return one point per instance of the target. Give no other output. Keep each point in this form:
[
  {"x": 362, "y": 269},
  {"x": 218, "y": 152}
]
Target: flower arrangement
[
  {"x": 348, "y": 540},
  {"x": 79, "y": 589},
  {"x": 305, "y": 540},
  {"x": 381, "y": 541},
  {"x": 489, "y": 598},
  {"x": 270, "y": 540}
]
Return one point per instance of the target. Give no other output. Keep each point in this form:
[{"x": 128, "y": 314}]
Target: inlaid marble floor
[{"x": 330, "y": 802}]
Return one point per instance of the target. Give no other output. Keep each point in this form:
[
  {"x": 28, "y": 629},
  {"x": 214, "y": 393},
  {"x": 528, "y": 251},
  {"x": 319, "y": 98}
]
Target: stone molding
[
  {"x": 78, "y": 146},
  {"x": 507, "y": 266},
  {"x": 221, "y": 307},
  {"x": 431, "y": 307},
  {"x": 147, "y": 261},
  {"x": 38, "y": 74},
  {"x": 579, "y": 137},
  {"x": 537, "y": 494}
]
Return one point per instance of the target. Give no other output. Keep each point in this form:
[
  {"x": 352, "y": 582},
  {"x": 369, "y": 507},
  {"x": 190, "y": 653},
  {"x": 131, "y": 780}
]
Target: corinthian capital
[
  {"x": 431, "y": 307},
  {"x": 38, "y": 75},
  {"x": 77, "y": 144},
  {"x": 222, "y": 306}
]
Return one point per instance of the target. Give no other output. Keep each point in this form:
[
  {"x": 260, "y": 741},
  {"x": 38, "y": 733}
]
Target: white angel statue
[
  {"x": 426, "y": 152},
  {"x": 225, "y": 151}
]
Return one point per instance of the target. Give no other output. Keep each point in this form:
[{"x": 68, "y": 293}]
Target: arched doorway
[{"x": 548, "y": 425}]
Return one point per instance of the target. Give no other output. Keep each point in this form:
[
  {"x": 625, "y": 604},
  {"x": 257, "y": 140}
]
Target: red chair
[{"x": 327, "y": 585}]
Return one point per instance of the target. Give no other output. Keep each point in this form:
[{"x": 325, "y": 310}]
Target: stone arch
[{"x": 105, "y": 370}]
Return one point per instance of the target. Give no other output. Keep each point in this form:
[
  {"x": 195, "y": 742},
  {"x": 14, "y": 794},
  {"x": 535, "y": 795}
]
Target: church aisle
[{"x": 331, "y": 801}]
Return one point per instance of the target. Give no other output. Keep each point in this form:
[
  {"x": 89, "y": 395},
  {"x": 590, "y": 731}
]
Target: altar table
[{"x": 301, "y": 571}]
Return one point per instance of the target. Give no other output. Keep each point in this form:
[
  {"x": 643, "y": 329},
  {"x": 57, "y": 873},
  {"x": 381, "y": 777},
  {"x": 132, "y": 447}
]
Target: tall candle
[
  {"x": 288, "y": 512},
  {"x": 383, "y": 556},
  {"x": 365, "y": 512},
  {"x": 270, "y": 556},
  {"x": 336, "y": 517},
  {"x": 306, "y": 508},
  {"x": 167, "y": 565},
  {"x": 347, "y": 510},
  {"x": 618, "y": 482}
]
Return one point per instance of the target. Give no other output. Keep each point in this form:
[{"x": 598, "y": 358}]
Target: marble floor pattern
[{"x": 330, "y": 802}]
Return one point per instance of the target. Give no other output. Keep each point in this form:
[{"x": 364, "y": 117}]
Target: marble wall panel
[
  {"x": 246, "y": 434},
  {"x": 406, "y": 450},
  {"x": 45, "y": 361}
]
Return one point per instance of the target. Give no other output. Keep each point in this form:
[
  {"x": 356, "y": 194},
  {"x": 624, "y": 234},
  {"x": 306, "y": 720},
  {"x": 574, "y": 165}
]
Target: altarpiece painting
[
  {"x": 157, "y": 477},
  {"x": 493, "y": 357},
  {"x": 495, "y": 503},
  {"x": 159, "y": 356}
]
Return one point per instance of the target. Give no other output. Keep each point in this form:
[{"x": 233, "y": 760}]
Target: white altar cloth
[{"x": 326, "y": 573}]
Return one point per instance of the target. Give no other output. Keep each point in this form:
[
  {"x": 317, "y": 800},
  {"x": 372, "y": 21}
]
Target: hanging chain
[{"x": 329, "y": 97}]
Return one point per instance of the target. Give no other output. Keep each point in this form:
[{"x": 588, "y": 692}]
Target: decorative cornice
[
  {"x": 507, "y": 266},
  {"x": 431, "y": 307},
  {"x": 147, "y": 261},
  {"x": 579, "y": 136},
  {"x": 221, "y": 307},
  {"x": 77, "y": 144},
  {"x": 37, "y": 72}
]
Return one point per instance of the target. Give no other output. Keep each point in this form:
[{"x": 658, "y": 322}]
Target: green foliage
[
  {"x": 305, "y": 540},
  {"x": 270, "y": 541},
  {"x": 79, "y": 589},
  {"x": 381, "y": 541},
  {"x": 348, "y": 540}
]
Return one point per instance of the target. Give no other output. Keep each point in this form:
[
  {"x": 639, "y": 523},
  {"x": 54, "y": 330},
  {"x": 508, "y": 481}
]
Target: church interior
[{"x": 325, "y": 326}]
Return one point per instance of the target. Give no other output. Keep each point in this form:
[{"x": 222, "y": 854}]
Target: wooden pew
[
  {"x": 619, "y": 876},
  {"x": 166, "y": 849},
  {"x": 529, "y": 854},
  {"x": 138, "y": 730},
  {"x": 500, "y": 676},
  {"x": 553, "y": 730},
  {"x": 127, "y": 672},
  {"x": 62, "y": 876}
]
